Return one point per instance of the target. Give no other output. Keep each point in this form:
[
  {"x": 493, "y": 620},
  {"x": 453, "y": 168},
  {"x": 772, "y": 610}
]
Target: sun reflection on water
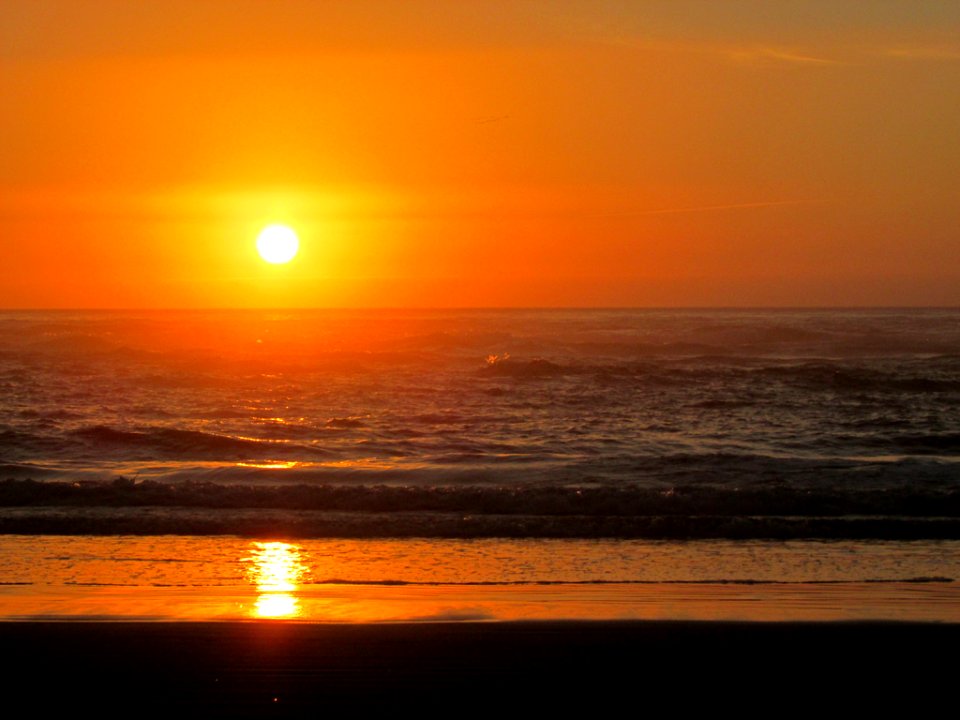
[{"x": 277, "y": 569}]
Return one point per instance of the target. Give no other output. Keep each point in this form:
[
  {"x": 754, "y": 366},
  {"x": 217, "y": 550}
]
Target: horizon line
[{"x": 209, "y": 308}]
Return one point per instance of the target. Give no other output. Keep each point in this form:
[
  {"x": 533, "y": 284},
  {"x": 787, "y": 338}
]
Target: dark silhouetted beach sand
[{"x": 266, "y": 669}]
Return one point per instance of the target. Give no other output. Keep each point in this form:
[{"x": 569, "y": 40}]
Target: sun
[{"x": 277, "y": 244}]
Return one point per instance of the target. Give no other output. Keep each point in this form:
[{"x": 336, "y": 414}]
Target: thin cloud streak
[
  {"x": 773, "y": 54},
  {"x": 930, "y": 52},
  {"x": 713, "y": 208}
]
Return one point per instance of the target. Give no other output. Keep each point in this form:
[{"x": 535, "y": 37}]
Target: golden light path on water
[
  {"x": 277, "y": 569},
  {"x": 272, "y": 465},
  {"x": 364, "y": 463}
]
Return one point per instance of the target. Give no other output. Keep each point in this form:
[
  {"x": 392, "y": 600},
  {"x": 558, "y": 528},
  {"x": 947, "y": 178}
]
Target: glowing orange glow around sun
[{"x": 278, "y": 244}]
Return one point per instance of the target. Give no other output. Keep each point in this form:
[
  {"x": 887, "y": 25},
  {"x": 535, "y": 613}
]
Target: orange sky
[{"x": 480, "y": 153}]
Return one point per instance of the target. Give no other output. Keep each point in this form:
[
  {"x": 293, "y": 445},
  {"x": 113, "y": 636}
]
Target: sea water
[{"x": 620, "y": 447}]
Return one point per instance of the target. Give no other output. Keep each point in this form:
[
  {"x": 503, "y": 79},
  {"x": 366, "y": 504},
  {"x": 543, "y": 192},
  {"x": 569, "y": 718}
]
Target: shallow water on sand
[{"x": 223, "y": 578}]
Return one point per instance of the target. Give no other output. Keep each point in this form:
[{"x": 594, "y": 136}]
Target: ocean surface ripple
[{"x": 516, "y": 423}]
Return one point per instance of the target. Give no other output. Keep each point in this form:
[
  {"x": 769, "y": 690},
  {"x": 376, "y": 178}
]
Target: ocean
[{"x": 418, "y": 453}]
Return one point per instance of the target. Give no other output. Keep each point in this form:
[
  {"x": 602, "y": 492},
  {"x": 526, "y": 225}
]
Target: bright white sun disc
[{"x": 277, "y": 244}]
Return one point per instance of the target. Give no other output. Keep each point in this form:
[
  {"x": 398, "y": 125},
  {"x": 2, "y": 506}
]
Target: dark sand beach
[{"x": 269, "y": 668}]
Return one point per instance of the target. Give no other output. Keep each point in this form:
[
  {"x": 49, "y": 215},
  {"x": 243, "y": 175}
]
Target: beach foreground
[{"x": 267, "y": 668}]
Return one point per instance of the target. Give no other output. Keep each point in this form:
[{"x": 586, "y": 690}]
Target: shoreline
[
  {"x": 362, "y": 604},
  {"x": 196, "y": 579}
]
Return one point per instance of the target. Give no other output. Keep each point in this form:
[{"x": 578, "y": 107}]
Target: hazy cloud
[
  {"x": 778, "y": 55},
  {"x": 924, "y": 52}
]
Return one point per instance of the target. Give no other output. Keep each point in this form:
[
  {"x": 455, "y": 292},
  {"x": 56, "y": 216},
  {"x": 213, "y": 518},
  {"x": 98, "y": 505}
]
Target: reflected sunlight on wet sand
[{"x": 230, "y": 579}]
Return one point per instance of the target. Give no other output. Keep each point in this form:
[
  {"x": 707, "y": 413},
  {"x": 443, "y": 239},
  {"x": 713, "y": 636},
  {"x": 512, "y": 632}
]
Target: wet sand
[{"x": 262, "y": 668}]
